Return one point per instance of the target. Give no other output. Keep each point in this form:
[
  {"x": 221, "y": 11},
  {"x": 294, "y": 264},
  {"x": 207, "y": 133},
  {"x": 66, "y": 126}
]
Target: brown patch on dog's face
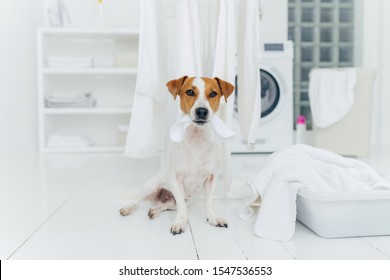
[
  {"x": 174, "y": 86},
  {"x": 188, "y": 95},
  {"x": 225, "y": 87},
  {"x": 212, "y": 93},
  {"x": 184, "y": 88}
]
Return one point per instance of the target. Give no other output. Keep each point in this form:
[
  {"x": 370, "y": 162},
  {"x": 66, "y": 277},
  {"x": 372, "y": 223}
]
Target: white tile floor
[{"x": 66, "y": 207}]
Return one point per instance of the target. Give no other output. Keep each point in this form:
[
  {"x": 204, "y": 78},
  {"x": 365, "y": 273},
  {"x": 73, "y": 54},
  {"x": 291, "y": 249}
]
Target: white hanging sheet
[{"x": 193, "y": 37}]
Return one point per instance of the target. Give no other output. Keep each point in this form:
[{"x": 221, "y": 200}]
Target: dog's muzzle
[{"x": 201, "y": 115}]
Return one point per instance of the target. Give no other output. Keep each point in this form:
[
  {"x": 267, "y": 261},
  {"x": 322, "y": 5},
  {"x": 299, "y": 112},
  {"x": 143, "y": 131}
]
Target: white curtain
[{"x": 194, "y": 38}]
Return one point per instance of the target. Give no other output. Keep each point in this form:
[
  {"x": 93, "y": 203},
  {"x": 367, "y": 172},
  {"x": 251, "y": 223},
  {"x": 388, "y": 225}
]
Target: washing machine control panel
[{"x": 274, "y": 47}]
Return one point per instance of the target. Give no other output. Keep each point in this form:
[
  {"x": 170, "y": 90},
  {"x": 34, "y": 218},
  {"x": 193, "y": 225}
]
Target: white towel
[
  {"x": 331, "y": 94},
  {"x": 149, "y": 78},
  {"x": 224, "y": 68},
  {"x": 57, "y": 141},
  {"x": 286, "y": 171},
  {"x": 147, "y": 127},
  {"x": 188, "y": 43},
  {"x": 220, "y": 129},
  {"x": 148, "y": 120},
  {"x": 103, "y": 62},
  {"x": 70, "y": 100},
  {"x": 69, "y": 62},
  {"x": 248, "y": 78},
  {"x": 224, "y": 61},
  {"x": 68, "y": 96}
]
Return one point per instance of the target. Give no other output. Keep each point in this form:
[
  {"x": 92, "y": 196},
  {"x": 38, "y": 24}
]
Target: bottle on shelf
[{"x": 301, "y": 130}]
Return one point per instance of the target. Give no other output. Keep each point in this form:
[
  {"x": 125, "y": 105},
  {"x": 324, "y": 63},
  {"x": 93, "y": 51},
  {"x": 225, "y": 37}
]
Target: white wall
[
  {"x": 275, "y": 20},
  {"x": 117, "y": 13},
  {"x": 18, "y": 22}
]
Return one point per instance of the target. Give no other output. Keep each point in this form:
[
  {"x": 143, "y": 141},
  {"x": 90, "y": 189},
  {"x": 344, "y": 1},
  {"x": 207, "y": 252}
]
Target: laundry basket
[{"x": 351, "y": 136}]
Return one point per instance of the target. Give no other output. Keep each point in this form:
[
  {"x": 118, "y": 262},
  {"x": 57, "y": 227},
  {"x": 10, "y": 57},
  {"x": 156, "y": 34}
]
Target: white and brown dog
[{"x": 194, "y": 162}]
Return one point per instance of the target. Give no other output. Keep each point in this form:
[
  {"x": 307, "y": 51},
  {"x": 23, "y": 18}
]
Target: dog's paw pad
[
  {"x": 218, "y": 222},
  {"x": 152, "y": 213},
  {"x": 178, "y": 228},
  {"x": 225, "y": 225},
  {"x": 125, "y": 211}
]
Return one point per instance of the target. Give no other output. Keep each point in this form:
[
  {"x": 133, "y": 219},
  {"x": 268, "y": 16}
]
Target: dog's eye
[
  {"x": 213, "y": 94},
  {"x": 190, "y": 92}
]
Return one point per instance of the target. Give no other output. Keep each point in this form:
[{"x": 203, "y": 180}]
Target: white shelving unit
[{"x": 112, "y": 87}]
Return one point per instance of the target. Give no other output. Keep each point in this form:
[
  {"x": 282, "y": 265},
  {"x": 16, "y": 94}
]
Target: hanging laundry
[
  {"x": 331, "y": 94},
  {"x": 182, "y": 37}
]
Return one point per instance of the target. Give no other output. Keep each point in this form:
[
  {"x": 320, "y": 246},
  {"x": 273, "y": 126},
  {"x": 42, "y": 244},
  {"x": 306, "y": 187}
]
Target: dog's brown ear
[
  {"x": 225, "y": 87},
  {"x": 174, "y": 86}
]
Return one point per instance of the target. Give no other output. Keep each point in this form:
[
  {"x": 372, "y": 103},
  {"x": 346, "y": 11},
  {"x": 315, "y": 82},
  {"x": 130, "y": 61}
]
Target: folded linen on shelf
[
  {"x": 58, "y": 141},
  {"x": 69, "y": 62},
  {"x": 103, "y": 62},
  {"x": 70, "y": 100}
]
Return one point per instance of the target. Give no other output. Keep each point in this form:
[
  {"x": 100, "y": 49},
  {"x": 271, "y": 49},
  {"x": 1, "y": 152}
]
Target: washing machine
[{"x": 276, "y": 127}]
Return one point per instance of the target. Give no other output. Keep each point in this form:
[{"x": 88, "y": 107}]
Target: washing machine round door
[{"x": 270, "y": 93}]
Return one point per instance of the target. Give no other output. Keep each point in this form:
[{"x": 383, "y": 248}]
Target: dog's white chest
[{"x": 195, "y": 158}]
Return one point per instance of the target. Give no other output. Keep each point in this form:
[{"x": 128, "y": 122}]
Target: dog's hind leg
[
  {"x": 130, "y": 208},
  {"x": 161, "y": 206},
  {"x": 150, "y": 192}
]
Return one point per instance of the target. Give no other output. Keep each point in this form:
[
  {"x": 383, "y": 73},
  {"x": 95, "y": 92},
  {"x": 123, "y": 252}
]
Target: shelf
[
  {"x": 93, "y": 149},
  {"x": 86, "y": 111},
  {"x": 91, "y": 71},
  {"x": 100, "y": 125},
  {"x": 90, "y": 32}
]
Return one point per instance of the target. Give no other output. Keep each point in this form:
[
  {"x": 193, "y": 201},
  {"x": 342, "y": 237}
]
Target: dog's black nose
[{"x": 201, "y": 113}]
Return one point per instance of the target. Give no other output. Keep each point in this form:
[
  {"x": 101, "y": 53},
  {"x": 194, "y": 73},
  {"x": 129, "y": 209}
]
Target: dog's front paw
[
  {"x": 217, "y": 222},
  {"x": 178, "y": 228}
]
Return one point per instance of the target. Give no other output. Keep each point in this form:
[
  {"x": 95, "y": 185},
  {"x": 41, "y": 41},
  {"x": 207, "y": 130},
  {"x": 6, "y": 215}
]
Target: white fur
[
  {"x": 192, "y": 166},
  {"x": 201, "y": 101}
]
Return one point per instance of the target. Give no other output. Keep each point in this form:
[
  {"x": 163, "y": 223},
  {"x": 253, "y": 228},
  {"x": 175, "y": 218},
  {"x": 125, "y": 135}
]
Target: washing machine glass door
[{"x": 270, "y": 93}]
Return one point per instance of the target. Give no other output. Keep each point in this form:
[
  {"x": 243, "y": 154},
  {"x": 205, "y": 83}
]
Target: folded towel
[
  {"x": 331, "y": 94},
  {"x": 56, "y": 141},
  {"x": 76, "y": 100},
  {"x": 89, "y": 103},
  {"x": 222, "y": 131},
  {"x": 68, "y": 96},
  {"x": 103, "y": 62},
  {"x": 286, "y": 171},
  {"x": 69, "y": 62}
]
